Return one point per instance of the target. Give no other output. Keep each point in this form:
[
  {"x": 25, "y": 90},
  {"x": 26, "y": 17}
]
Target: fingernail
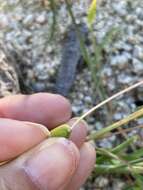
[
  {"x": 41, "y": 127},
  {"x": 50, "y": 167}
]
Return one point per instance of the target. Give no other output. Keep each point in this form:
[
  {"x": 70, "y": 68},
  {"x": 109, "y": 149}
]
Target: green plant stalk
[
  {"x": 134, "y": 167},
  {"x": 53, "y": 8},
  {"x": 100, "y": 134},
  {"x": 92, "y": 12},
  {"x": 97, "y": 135},
  {"x": 81, "y": 41},
  {"x": 136, "y": 154},
  {"x": 95, "y": 63},
  {"x": 113, "y": 169},
  {"x": 84, "y": 51},
  {"x": 117, "y": 150},
  {"x": 107, "y": 153},
  {"x": 117, "y": 160},
  {"x": 93, "y": 109},
  {"x": 124, "y": 145}
]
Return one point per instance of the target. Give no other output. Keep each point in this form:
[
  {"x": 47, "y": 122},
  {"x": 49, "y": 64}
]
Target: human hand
[{"x": 42, "y": 163}]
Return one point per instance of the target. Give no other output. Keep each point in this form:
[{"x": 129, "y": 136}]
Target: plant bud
[{"x": 61, "y": 131}]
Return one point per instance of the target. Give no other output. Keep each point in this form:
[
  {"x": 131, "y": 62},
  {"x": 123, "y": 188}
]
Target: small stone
[
  {"x": 28, "y": 20},
  {"x": 101, "y": 182},
  {"x": 106, "y": 71},
  {"x": 49, "y": 49},
  {"x": 125, "y": 79},
  {"x": 41, "y": 19},
  {"x": 38, "y": 87},
  {"x": 99, "y": 125},
  {"x": 121, "y": 61},
  {"x": 138, "y": 66},
  {"x": 118, "y": 116},
  {"x": 105, "y": 143},
  {"x": 140, "y": 121},
  {"x": 120, "y": 8},
  {"x": 138, "y": 52},
  {"x": 88, "y": 99},
  {"x": 41, "y": 71},
  {"x": 139, "y": 12},
  {"x": 3, "y": 21},
  {"x": 118, "y": 185},
  {"x": 111, "y": 84},
  {"x": 76, "y": 109}
]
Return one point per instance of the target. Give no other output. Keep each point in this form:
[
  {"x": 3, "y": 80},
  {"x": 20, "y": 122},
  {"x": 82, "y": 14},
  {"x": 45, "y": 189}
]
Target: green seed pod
[{"x": 61, "y": 131}]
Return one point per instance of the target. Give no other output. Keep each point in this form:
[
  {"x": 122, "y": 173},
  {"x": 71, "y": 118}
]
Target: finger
[
  {"x": 48, "y": 166},
  {"x": 86, "y": 165},
  {"x": 16, "y": 137},
  {"x": 79, "y": 132},
  {"x": 44, "y": 108}
]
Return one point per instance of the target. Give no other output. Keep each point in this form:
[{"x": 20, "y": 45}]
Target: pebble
[
  {"x": 3, "y": 21},
  {"x": 120, "y": 8},
  {"x": 121, "y": 61},
  {"x": 41, "y": 19},
  {"x": 118, "y": 116},
  {"x": 140, "y": 121},
  {"x": 118, "y": 185},
  {"x": 107, "y": 71},
  {"x": 123, "y": 78},
  {"x": 138, "y": 66},
  {"x": 138, "y": 52},
  {"x": 99, "y": 125},
  {"x": 38, "y": 87},
  {"x": 106, "y": 143},
  {"x": 28, "y": 21},
  {"x": 111, "y": 84},
  {"x": 101, "y": 181}
]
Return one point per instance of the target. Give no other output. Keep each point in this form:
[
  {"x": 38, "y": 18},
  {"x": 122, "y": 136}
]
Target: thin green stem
[
  {"x": 106, "y": 101},
  {"x": 124, "y": 145},
  {"x": 81, "y": 40},
  {"x": 113, "y": 169},
  {"x": 100, "y": 134}
]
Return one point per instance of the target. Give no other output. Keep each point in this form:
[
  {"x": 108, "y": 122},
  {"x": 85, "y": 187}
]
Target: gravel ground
[{"x": 25, "y": 30}]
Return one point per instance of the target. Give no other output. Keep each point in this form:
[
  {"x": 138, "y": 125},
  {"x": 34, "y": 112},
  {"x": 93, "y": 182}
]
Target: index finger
[{"x": 48, "y": 109}]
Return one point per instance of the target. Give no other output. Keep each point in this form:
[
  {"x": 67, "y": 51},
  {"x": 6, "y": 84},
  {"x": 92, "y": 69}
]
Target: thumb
[{"x": 47, "y": 166}]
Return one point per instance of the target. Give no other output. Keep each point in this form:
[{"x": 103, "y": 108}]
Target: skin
[{"x": 39, "y": 162}]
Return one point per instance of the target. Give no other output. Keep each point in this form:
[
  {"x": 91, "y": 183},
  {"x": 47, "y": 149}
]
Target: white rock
[
  {"x": 138, "y": 51},
  {"x": 118, "y": 185},
  {"x": 41, "y": 19},
  {"x": 121, "y": 61},
  {"x": 118, "y": 116},
  {"x": 3, "y": 21},
  {"x": 99, "y": 125},
  {"x": 102, "y": 181},
  {"x": 111, "y": 84},
  {"x": 138, "y": 66},
  {"x": 106, "y": 71},
  {"x": 139, "y": 12},
  {"x": 140, "y": 121},
  {"x": 125, "y": 79},
  {"x": 28, "y": 20},
  {"x": 105, "y": 143},
  {"x": 120, "y": 8}
]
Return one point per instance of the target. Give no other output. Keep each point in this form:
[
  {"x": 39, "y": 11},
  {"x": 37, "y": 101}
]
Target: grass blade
[
  {"x": 92, "y": 12},
  {"x": 100, "y": 134},
  {"x": 106, "y": 101}
]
